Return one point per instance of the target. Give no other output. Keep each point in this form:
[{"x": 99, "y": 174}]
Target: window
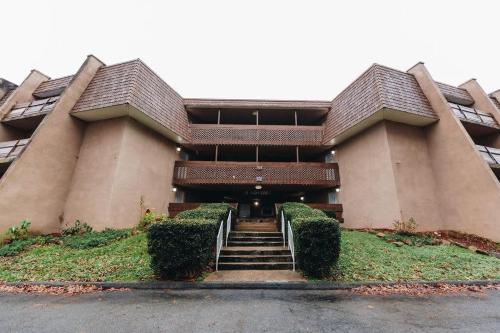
[
  {"x": 39, "y": 106},
  {"x": 471, "y": 114}
]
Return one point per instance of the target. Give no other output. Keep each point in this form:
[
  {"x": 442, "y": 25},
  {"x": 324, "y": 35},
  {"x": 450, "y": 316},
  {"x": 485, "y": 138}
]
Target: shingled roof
[
  {"x": 377, "y": 88},
  {"x": 135, "y": 84},
  {"x": 53, "y": 84},
  {"x": 455, "y": 94}
]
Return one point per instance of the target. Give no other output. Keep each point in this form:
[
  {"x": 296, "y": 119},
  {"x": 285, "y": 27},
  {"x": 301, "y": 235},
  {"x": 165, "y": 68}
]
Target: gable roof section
[
  {"x": 133, "y": 83},
  {"x": 455, "y": 94},
  {"x": 376, "y": 89},
  {"x": 4, "y": 98},
  {"x": 53, "y": 84}
]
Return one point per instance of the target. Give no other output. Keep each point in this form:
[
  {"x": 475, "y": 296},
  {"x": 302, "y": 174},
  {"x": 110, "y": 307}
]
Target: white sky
[{"x": 255, "y": 49}]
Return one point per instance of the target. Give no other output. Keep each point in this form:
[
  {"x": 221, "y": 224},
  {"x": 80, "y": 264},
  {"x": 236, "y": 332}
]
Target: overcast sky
[{"x": 255, "y": 49}]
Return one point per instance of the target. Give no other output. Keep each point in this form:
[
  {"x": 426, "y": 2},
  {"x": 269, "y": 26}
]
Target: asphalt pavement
[{"x": 247, "y": 311}]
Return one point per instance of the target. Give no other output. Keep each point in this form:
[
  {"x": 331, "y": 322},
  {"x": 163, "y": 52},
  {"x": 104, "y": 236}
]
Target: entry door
[{"x": 244, "y": 210}]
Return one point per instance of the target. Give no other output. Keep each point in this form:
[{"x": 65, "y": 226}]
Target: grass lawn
[
  {"x": 122, "y": 260},
  {"x": 364, "y": 257}
]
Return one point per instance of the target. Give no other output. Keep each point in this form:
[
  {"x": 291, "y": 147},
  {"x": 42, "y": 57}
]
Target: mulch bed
[
  {"x": 423, "y": 289},
  {"x": 51, "y": 290},
  {"x": 469, "y": 240}
]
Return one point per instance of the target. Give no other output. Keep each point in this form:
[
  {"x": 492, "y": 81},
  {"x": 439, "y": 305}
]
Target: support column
[
  {"x": 482, "y": 101},
  {"x": 468, "y": 192}
]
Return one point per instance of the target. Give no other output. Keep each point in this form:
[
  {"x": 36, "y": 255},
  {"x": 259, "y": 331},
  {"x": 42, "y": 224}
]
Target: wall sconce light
[
  {"x": 337, "y": 189},
  {"x": 332, "y": 152},
  {"x": 174, "y": 189},
  {"x": 178, "y": 149},
  {"x": 302, "y": 198},
  {"x": 256, "y": 203},
  {"x": 258, "y": 187}
]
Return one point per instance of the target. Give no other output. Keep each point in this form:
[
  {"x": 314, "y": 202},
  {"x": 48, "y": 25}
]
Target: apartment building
[{"x": 105, "y": 143}]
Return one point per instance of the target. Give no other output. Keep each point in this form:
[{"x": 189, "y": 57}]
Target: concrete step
[
  {"x": 256, "y": 233},
  {"x": 254, "y": 238},
  {"x": 254, "y": 243},
  {"x": 255, "y": 258},
  {"x": 255, "y": 265},
  {"x": 255, "y": 250},
  {"x": 253, "y": 228}
]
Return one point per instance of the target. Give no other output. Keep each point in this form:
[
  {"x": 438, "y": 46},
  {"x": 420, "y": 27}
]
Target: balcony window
[
  {"x": 490, "y": 155},
  {"x": 37, "y": 107},
  {"x": 473, "y": 115}
]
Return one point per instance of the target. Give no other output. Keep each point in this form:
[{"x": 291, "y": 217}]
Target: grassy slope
[
  {"x": 124, "y": 260},
  {"x": 364, "y": 257}
]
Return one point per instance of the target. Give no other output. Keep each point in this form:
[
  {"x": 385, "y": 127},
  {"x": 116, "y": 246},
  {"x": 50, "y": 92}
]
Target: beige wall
[
  {"x": 120, "y": 162},
  {"x": 468, "y": 191},
  {"x": 36, "y": 185},
  {"x": 386, "y": 175},
  {"x": 368, "y": 189},
  {"x": 413, "y": 175}
]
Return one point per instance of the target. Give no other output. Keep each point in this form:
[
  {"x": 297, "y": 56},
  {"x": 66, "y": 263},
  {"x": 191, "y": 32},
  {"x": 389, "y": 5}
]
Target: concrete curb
[{"x": 179, "y": 285}]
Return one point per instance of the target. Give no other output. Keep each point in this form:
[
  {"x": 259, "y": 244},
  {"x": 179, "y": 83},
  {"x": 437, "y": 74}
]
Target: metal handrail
[
  {"x": 219, "y": 244},
  {"x": 228, "y": 226},
  {"x": 283, "y": 227},
  {"x": 291, "y": 245}
]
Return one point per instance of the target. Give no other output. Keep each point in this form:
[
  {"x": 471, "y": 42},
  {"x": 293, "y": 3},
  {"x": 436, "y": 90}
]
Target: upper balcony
[
  {"x": 490, "y": 155},
  {"x": 27, "y": 116},
  {"x": 285, "y": 135},
  {"x": 321, "y": 175},
  {"x": 9, "y": 150},
  {"x": 474, "y": 116}
]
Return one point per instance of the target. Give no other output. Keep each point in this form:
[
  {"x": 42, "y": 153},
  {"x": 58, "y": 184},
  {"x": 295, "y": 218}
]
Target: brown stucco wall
[
  {"x": 413, "y": 175},
  {"x": 368, "y": 190},
  {"x": 468, "y": 192},
  {"x": 36, "y": 185},
  {"x": 121, "y": 161}
]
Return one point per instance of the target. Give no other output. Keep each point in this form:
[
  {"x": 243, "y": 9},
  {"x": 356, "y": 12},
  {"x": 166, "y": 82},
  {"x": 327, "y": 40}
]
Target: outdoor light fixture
[
  {"x": 258, "y": 187},
  {"x": 174, "y": 189},
  {"x": 301, "y": 198},
  {"x": 178, "y": 149},
  {"x": 337, "y": 189},
  {"x": 332, "y": 152},
  {"x": 256, "y": 203}
]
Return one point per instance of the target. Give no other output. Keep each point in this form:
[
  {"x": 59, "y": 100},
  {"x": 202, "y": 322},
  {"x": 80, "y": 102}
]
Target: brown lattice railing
[
  {"x": 253, "y": 173},
  {"x": 256, "y": 134}
]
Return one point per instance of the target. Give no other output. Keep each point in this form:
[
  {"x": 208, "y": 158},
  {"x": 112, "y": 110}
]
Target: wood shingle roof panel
[
  {"x": 53, "y": 84},
  {"x": 136, "y": 84},
  {"x": 377, "y": 88},
  {"x": 455, "y": 94}
]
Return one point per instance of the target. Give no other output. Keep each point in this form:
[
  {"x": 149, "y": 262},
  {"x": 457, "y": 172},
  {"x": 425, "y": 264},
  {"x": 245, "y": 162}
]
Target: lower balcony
[
  {"x": 256, "y": 173},
  {"x": 490, "y": 155}
]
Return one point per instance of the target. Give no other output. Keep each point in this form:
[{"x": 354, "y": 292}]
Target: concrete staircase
[{"x": 254, "y": 246}]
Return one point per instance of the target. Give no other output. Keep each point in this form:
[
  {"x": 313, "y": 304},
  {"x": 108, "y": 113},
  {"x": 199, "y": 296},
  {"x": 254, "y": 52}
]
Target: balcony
[
  {"x": 210, "y": 134},
  {"x": 9, "y": 150},
  {"x": 473, "y": 115},
  {"x": 27, "y": 116},
  {"x": 322, "y": 175},
  {"x": 490, "y": 155}
]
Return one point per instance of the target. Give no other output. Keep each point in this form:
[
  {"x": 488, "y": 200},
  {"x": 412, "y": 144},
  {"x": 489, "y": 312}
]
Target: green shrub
[
  {"x": 316, "y": 238},
  {"x": 15, "y": 247},
  {"x": 94, "y": 239},
  {"x": 18, "y": 245},
  {"x": 181, "y": 247},
  {"x": 19, "y": 232},
  {"x": 405, "y": 227},
  {"x": 148, "y": 219},
  {"x": 78, "y": 229}
]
